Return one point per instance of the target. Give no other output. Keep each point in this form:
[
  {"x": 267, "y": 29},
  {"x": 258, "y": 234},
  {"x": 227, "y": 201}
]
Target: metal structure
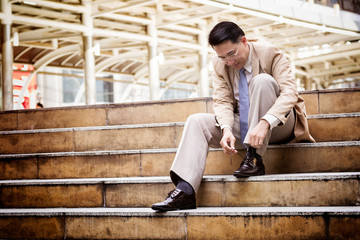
[{"x": 162, "y": 42}]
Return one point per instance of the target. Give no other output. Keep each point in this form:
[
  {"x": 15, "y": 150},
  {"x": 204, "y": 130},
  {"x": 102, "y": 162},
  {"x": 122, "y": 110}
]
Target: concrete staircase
[{"x": 92, "y": 172}]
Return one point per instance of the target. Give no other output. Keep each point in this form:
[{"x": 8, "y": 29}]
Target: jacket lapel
[
  {"x": 227, "y": 73},
  {"x": 255, "y": 62}
]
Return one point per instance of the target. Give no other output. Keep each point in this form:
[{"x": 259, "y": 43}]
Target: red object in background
[
  {"x": 26, "y": 103},
  {"x": 20, "y": 74}
]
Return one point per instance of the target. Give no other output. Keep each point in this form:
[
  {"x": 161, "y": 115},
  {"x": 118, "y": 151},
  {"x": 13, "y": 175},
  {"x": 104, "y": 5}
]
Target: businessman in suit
[{"x": 255, "y": 103}]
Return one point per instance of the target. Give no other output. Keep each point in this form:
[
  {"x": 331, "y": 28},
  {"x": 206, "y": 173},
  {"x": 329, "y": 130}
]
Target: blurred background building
[{"x": 76, "y": 52}]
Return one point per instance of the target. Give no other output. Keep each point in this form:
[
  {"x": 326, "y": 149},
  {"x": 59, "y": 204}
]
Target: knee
[
  {"x": 200, "y": 118},
  {"x": 264, "y": 81},
  {"x": 196, "y": 117}
]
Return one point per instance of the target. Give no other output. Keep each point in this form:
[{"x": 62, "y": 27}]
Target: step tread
[
  {"x": 335, "y": 90},
  {"x": 152, "y": 125},
  {"x": 93, "y": 128},
  {"x": 124, "y": 105},
  {"x": 334, "y": 115},
  {"x": 327, "y": 176},
  {"x": 200, "y": 211},
  {"x": 171, "y": 150},
  {"x": 169, "y": 101}
]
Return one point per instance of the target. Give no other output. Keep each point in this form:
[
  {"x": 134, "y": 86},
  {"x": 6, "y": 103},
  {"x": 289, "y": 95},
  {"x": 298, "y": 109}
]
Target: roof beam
[
  {"x": 117, "y": 25},
  {"x": 177, "y": 36},
  {"x": 253, "y": 10},
  {"x": 112, "y": 60},
  {"x": 180, "y": 28},
  {"x": 25, "y": 50},
  {"x": 42, "y": 22},
  {"x": 77, "y": 27},
  {"x": 325, "y": 57},
  {"x": 58, "y": 5},
  {"x": 126, "y": 18},
  {"x": 350, "y": 75},
  {"x": 185, "y": 11},
  {"x": 44, "y": 34},
  {"x": 69, "y": 57},
  {"x": 192, "y": 18},
  {"x": 176, "y": 77},
  {"x": 132, "y": 4},
  {"x": 45, "y": 13},
  {"x": 333, "y": 71},
  {"x": 55, "y": 55}
]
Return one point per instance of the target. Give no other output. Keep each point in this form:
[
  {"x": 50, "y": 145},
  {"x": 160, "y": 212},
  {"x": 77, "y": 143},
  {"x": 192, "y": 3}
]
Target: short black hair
[{"x": 225, "y": 31}]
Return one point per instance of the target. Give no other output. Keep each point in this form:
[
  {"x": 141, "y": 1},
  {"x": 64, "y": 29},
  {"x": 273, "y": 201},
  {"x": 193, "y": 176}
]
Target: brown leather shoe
[
  {"x": 176, "y": 200},
  {"x": 252, "y": 165}
]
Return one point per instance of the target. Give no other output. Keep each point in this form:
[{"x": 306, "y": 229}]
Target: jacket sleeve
[
  {"x": 280, "y": 69},
  {"x": 223, "y": 96}
]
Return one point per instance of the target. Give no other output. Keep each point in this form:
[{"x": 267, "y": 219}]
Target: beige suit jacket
[{"x": 265, "y": 58}]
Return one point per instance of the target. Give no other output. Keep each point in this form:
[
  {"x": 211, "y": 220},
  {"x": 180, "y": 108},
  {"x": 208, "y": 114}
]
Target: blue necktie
[{"x": 243, "y": 105}]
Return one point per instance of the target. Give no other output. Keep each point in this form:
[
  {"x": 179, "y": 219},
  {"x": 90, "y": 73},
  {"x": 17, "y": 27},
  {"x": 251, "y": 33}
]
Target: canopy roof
[{"x": 322, "y": 42}]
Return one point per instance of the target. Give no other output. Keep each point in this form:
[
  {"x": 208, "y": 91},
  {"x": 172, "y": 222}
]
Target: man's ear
[{"x": 243, "y": 39}]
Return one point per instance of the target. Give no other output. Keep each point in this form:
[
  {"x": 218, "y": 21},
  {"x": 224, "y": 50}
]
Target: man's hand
[
  {"x": 257, "y": 135},
  {"x": 228, "y": 142}
]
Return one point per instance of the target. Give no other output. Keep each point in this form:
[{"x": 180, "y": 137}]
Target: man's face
[{"x": 233, "y": 54}]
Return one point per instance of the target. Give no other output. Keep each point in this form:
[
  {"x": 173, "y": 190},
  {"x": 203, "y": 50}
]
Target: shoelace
[
  {"x": 249, "y": 160},
  {"x": 173, "y": 193}
]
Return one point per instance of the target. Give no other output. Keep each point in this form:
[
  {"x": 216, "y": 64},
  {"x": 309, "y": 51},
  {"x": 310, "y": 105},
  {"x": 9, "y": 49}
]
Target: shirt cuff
[
  {"x": 272, "y": 120},
  {"x": 225, "y": 126}
]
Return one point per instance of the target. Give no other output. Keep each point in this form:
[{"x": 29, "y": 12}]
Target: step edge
[
  {"x": 93, "y": 128},
  {"x": 336, "y": 90},
  {"x": 170, "y": 150},
  {"x": 151, "y": 125},
  {"x": 111, "y": 105},
  {"x": 141, "y": 103},
  {"x": 323, "y": 176},
  {"x": 200, "y": 211},
  {"x": 334, "y": 115}
]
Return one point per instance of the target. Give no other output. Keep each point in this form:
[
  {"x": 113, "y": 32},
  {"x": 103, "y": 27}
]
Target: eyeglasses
[{"x": 229, "y": 56}]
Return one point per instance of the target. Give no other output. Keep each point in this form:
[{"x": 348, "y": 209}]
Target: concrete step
[
  {"x": 279, "y": 159},
  {"x": 202, "y": 223},
  {"x": 332, "y": 101},
  {"x": 143, "y": 136},
  {"x": 334, "y": 127},
  {"x": 104, "y": 115},
  {"x": 315, "y": 189},
  {"x": 317, "y": 102}
]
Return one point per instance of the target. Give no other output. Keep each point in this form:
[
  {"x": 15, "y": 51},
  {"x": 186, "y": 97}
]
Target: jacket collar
[{"x": 254, "y": 60}]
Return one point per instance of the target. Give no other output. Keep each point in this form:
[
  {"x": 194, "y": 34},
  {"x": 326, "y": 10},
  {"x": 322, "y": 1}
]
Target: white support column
[
  {"x": 203, "y": 57},
  {"x": 117, "y": 89},
  {"x": 7, "y": 57},
  {"x": 88, "y": 53},
  {"x": 153, "y": 64}
]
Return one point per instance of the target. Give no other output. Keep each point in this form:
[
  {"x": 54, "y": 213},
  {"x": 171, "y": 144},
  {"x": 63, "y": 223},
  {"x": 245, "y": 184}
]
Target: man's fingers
[
  {"x": 232, "y": 143},
  {"x": 256, "y": 143},
  {"x": 257, "y": 135},
  {"x": 228, "y": 142},
  {"x": 228, "y": 147}
]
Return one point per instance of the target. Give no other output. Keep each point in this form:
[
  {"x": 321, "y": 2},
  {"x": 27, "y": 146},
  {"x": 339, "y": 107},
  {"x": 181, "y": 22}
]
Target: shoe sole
[
  {"x": 164, "y": 209},
  {"x": 241, "y": 175}
]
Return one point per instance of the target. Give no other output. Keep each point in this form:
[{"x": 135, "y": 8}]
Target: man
[{"x": 255, "y": 103}]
